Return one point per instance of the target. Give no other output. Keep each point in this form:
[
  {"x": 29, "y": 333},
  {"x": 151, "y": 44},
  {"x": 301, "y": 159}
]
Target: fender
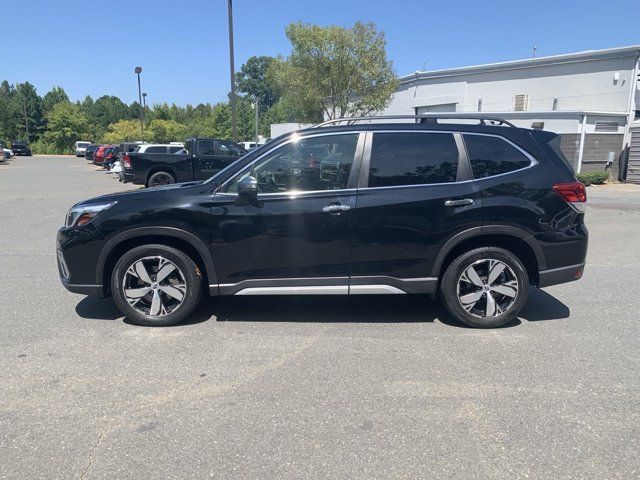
[
  {"x": 189, "y": 237},
  {"x": 458, "y": 238}
]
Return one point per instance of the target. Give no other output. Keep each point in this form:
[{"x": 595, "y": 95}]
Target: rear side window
[
  {"x": 156, "y": 150},
  {"x": 412, "y": 159},
  {"x": 491, "y": 156},
  {"x": 206, "y": 147},
  {"x": 175, "y": 149}
]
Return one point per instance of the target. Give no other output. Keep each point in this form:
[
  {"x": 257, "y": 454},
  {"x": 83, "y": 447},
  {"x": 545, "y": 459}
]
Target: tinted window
[
  {"x": 175, "y": 149},
  {"x": 492, "y": 156},
  {"x": 412, "y": 159},
  {"x": 156, "y": 150},
  {"x": 230, "y": 149},
  {"x": 206, "y": 147},
  {"x": 309, "y": 164}
]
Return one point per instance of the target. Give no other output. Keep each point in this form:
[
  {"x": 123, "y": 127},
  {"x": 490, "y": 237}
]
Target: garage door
[
  {"x": 633, "y": 170},
  {"x": 443, "y": 107}
]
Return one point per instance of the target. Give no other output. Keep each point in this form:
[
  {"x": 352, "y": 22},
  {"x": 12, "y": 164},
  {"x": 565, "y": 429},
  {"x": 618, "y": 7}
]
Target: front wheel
[
  {"x": 160, "y": 178},
  {"x": 485, "y": 287},
  {"x": 156, "y": 285}
]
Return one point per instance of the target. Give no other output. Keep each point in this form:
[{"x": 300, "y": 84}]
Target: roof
[{"x": 619, "y": 52}]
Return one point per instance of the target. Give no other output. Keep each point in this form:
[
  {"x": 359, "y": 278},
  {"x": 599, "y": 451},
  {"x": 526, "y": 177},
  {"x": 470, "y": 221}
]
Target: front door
[
  {"x": 296, "y": 237},
  {"x": 415, "y": 193}
]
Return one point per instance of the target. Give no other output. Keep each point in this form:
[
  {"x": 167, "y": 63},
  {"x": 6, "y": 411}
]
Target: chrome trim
[
  {"x": 307, "y": 290},
  {"x": 81, "y": 285},
  {"x": 373, "y": 290},
  {"x": 568, "y": 267}
]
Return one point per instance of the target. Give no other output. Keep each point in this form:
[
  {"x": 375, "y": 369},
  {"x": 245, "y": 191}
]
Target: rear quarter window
[
  {"x": 418, "y": 158},
  {"x": 156, "y": 150},
  {"x": 491, "y": 156}
]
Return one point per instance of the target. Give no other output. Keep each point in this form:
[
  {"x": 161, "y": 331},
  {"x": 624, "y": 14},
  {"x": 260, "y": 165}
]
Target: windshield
[{"x": 83, "y": 144}]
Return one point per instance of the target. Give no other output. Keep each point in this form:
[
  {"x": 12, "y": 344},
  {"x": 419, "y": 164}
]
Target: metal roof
[{"x": 630, "y": 51}]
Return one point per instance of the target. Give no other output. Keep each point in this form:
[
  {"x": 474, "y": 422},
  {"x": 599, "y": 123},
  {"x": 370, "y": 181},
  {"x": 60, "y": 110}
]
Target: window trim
[
  {"x": 351, "y": 182},
  {"x": 532, "y": 160},
  {"x": 363, "y": 182}
]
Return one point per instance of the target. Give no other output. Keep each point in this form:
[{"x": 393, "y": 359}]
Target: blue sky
[{"x": 91, "y": 47}]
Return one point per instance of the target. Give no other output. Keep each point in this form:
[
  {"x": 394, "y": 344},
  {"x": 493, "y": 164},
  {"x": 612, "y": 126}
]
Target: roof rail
[{"x": 431, "y": 118}]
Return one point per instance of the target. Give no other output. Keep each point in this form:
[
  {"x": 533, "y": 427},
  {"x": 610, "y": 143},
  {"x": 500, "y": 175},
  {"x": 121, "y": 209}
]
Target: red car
[{"x": 99, "y": 155}]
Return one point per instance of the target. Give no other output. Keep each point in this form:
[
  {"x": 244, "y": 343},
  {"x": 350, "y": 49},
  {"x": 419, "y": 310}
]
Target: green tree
[
  {"x": 55, "y": 96},
  {"x": 335, "y": 71},
  {"x": 252, "y": 80},
  {"x": 124, "y": 131},
  {"x": 165, "y": 131},
  {"x": 26, "y": 108},
  {"x": 66, "y": 124},
  {"x": 106, "y": 110}
]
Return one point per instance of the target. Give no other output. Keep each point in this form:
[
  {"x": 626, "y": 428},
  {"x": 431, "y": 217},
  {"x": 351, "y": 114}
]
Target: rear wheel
[
  {"x": 156, "y": 285},
  {"x": 485, "y": 287},
  {"x": 160, "y": 178}
]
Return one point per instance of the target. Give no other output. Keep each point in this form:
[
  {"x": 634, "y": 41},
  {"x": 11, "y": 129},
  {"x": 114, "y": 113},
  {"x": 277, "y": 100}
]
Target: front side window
[
  {"x": 229, "y": 149},
  {"x": 206, "y": 147},
  {"x": 412, "y": 159},
  {"x": 306, "y": 164},
  {"x": 491, "y": 156}
]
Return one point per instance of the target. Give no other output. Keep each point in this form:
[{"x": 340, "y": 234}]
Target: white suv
[{"x": 81, "y": 148}]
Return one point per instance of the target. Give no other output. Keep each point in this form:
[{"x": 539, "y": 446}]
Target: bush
[{"x": 593, "y": 178}]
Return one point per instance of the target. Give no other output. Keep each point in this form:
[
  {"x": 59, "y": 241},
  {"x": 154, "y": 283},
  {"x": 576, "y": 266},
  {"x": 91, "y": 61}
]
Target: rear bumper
[{"x": 556, "y": 276}]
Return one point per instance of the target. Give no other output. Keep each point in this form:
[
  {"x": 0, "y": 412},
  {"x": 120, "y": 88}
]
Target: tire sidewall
[
  {"x": 449, "y": 286},
  {"x": 163, "y": 173},
  {"x": 189, "y": 269}
]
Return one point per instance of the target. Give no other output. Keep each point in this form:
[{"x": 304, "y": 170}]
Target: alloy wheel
[
  {"x": 154, "y": 286},
  {"x": 487, "y": 288},
  {"x": 159, "y": 180}
]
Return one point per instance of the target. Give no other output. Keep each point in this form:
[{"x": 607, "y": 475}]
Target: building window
[
  {"x": 521, "y": 103},
  {"x": 555, "y": 104},
  {"x": 480, "y": 105}
]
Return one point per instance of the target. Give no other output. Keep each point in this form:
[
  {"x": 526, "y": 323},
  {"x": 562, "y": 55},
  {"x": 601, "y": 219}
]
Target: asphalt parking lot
[{"x": 372, "y": 388}]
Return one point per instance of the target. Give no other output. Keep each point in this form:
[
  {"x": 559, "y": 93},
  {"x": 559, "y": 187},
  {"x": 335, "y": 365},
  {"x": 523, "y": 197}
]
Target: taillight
[
  {"x": 574, "y": 193},
  {"x": 126, "y": 161}
]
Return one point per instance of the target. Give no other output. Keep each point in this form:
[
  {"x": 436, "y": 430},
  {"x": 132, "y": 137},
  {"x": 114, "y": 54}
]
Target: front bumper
[{"x": 77, "y": 256}]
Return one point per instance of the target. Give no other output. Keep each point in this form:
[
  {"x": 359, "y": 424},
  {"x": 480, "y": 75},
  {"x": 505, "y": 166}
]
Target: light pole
[
  {"x": 138, "y": 71},
  {"x": 144, "y": 103},
  {"x": 234, "y": 113},
  {"x": 255, "y": 105}
]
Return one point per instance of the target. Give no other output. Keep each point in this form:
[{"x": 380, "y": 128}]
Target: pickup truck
[{"x": 200, "y": 159}]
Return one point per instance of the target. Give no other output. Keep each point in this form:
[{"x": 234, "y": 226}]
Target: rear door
[
  {"x": 211, "y": 156},
  {"x": 414, "y": 193}
]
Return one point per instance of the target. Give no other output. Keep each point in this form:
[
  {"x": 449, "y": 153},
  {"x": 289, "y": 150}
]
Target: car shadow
[{"x": 330, "y": 309}]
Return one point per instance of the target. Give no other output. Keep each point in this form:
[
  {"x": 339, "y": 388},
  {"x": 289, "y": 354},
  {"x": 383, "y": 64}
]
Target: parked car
[
  {"x": 110, "y": 156},
  {"x": 475, "y": 214},
  {"x": 7, "y": 153},
  {"x": 81, "y": 148},
  {"x": 248, "y": 146},
  {"x": 99, "y": 154},
  {"x": 90, "y": 150},
  {"x": 199, "y": 159},
  {"x": 20, "y": 148}
]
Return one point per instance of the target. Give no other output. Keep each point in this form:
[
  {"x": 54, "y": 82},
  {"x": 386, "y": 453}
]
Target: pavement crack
[{"x": 90, "y": 457}]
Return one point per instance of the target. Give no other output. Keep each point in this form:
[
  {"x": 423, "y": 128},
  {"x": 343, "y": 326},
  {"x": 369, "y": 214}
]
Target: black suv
[
  {"x": 476, "y": 213},
  {"x": 20, "y": 148}
]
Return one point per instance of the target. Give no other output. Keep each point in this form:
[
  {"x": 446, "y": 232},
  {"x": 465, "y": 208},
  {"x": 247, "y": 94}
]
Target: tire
[
  {"x": 468, "y": 297},
  {"x": 160, "y": 178},
  {"x": 156, "y": 303}
]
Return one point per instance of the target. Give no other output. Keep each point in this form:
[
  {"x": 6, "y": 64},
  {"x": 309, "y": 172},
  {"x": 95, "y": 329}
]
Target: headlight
[{"x": 83, "y": 214}]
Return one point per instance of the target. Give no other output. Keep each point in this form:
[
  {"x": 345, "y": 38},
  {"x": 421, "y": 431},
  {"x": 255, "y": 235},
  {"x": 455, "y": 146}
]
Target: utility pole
[
  {"x": 26, "y": 118},
  {"x": 256, "y": 107},
  {"x": 138, "y": 71},
  {"x": 535, "y": 49},
  {"x": 234, "y": 112}
]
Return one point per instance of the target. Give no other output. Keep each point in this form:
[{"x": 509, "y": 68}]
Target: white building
[{"x": 590, "y": 98}]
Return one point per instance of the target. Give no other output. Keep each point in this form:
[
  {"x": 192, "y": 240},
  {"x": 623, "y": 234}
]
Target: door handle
[
  {"x": 336, "y": 208},
  {"x": 458, "y": 203}
]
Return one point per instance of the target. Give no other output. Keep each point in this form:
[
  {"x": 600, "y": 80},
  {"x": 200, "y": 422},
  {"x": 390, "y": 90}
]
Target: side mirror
[{"x": 248, "y": 189}]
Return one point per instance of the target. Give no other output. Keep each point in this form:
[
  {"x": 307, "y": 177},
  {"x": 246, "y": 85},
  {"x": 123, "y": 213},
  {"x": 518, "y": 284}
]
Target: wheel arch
[
  {"x": 513, "y": 239},
  {"x": 183, "y": 240}
]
